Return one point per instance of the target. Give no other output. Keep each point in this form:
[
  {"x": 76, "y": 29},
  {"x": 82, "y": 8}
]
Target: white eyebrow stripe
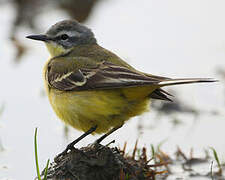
[{"x": 69, "y": 33}]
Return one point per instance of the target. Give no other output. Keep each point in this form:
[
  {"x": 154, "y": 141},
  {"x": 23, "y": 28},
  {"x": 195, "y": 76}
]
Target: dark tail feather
[{"x": 160, "y": 94}]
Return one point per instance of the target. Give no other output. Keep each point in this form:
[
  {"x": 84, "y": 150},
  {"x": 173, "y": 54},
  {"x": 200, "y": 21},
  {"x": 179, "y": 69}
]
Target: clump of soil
[{"x": 100, "y": 162}]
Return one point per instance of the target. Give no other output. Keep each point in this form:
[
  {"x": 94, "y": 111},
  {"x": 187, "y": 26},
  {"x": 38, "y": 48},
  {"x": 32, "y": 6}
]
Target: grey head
[{"x": 67, "y": 33}]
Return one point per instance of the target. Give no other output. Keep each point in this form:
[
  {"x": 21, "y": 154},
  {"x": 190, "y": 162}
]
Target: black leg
[
  {"x": 107, "y": 134},
  {"x": 71, "y": 145}
]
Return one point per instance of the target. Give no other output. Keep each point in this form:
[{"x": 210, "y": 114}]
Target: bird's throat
[{"x": 56, "y": 49}]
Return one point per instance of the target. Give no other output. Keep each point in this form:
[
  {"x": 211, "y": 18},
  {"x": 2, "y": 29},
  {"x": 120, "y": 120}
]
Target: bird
[{"x": 91, "y": 88}]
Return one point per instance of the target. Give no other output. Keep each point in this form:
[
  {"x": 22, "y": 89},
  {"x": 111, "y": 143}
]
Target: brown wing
[{"x": 105, "y": 76}]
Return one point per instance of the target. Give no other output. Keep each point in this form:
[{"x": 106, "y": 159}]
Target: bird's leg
[
  {"x": 71, "y": 145},
  {"x": 107, "y": 134}
]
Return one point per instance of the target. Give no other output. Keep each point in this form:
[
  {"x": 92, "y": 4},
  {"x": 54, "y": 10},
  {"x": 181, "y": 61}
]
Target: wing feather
[{"x": 104, "y": 76}]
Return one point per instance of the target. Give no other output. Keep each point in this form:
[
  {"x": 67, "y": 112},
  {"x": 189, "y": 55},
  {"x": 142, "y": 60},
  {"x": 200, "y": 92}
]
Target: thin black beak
[{"x": 40, "y": 37}]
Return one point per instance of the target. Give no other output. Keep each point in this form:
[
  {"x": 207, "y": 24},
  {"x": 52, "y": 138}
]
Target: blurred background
[{"x": 175, "y": 38}]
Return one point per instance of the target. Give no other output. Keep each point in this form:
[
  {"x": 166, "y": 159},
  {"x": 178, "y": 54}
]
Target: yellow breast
[{"x": 85, "y": 109}]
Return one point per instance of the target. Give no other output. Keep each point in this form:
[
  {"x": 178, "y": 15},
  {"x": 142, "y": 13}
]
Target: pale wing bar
[{"x": 66, "y": 81}]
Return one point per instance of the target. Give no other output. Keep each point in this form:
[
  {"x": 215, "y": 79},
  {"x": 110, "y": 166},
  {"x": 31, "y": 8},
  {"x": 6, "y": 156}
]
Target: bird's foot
[
  {"x": 97, "y": 146},
  {"x": 94, "y": 145},
  {"x": 70, "y": 147}
]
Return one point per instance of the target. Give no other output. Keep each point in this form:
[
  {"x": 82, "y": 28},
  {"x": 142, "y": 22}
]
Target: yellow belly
[{"x": 104, "y": 108}]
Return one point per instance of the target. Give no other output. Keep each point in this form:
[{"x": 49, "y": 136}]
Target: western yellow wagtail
[{"x": 91, "y": 88}]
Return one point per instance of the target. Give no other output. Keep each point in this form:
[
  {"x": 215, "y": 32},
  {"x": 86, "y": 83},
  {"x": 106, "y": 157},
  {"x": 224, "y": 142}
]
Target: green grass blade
[
  {"x": 36, "y": 154},
  {"x": 217, "y": 161},
  {"x": 46, "y": 170},
  {"x": 153, "y": 151},
  {"x": 216, "y": 157}
]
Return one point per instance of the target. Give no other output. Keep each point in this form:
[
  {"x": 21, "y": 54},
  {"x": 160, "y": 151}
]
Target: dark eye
[{"x": 64, "y": 37}]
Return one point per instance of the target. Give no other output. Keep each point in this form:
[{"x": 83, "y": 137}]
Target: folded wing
[
  {"x": 108, "y": 76},
  {"x": 105, "y": 76}
]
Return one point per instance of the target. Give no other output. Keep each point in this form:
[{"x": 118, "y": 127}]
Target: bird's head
[{"x": 65, "y": 35}]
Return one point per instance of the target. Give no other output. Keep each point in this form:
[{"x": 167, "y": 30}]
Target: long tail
[
  {"x": 169, "y": 82},
  {"x": 163, "y": 95}
]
